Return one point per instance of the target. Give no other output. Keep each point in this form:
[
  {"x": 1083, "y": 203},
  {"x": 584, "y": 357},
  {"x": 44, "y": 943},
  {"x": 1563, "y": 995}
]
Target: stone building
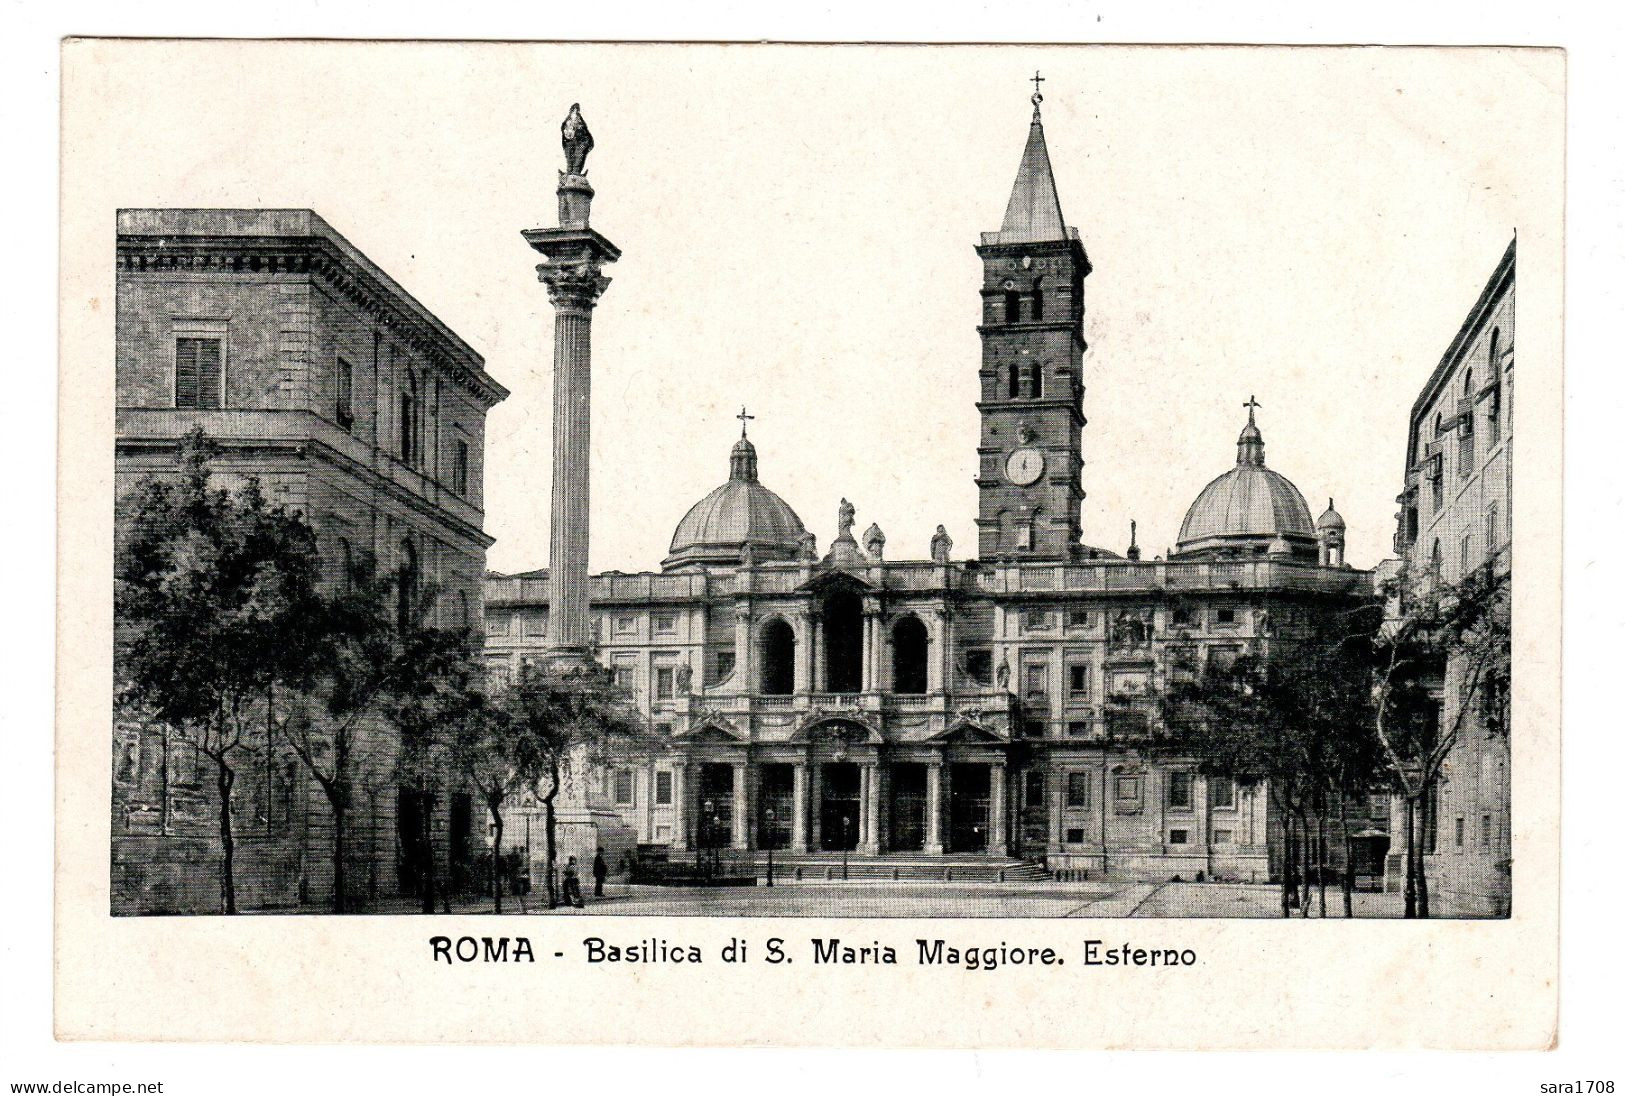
[
  {"x": 1456, "y": 515},
  {"x": 962, "y": 711},
  {"x": 311, "y": 369}
]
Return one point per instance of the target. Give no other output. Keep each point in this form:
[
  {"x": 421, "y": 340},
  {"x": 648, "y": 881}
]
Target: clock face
[{"x": 1024, "y": 466}]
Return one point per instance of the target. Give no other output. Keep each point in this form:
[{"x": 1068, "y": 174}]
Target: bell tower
[{"x": 1030, "y": 460}]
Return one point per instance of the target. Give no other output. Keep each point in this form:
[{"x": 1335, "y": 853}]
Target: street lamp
[
  {"x": 709, "y": 839},
  {"x": 769, "y": 816},
  {"x": 846, "y": 841}
]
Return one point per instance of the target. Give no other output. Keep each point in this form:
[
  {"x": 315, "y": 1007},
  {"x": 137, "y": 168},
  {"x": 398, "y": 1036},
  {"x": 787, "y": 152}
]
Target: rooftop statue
[{"x": 577, "y": 141}]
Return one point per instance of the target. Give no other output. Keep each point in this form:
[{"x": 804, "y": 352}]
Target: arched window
[
  {"x": 909, "y": 643},
  {"x": 1436, "y": 562},
  {"x": 1035, "y": 381},
  {"x": 1467, "y": 384},
  {"x": 1012, "y": 306},
  {"x": 463, "y": 618},
  {"x": 1038, "y": 298},
  {"x": 843, "y": 643},
  {"x": 1495, "y": 354},
  {"x": 778, "y": 658},
  {"x": 409, "y": 420},
  {"x": 406, "y": 586},
  {"x": 1014, "y": 380},
  {"x": 1438, "y": 425},
  {"x": 346, "y": 562}
]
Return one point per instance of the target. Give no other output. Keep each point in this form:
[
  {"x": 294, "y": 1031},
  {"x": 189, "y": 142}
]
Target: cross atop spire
[
  {"x": 1251, "y": 405},
  {"x": 744, "y": 419},
  {"x": 1033, "y": 214}
]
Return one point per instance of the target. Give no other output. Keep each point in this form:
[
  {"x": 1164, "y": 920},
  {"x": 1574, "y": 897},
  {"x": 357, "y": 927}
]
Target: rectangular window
[
  {"x": 725, "y": 665},
  {"x": 624, "y": 678},
  {"x": 1179, "y": 837},
  {"x": 1223, "y": 837},
  {"x": 665, "y": 682},
  {"x": 1126, "y": 790},
  {"x": 199, "y": 373},
  {"x": 1075, "y": 836},
  {"x": 1225, "y": 616},
  {"x": 662, "y": 789},
  {"x": 1179, "y": 790},
  {"x": 1222, "y": 792},
  {"x": 1484, "y": 832},
  {"x": 344, "y": 409},
  {"x": 665, "y": 624},
  {"x": 1077, "y": 789},
  {"x": 459, "y": 467},
  {"x": 1077, "y": 681},
  {"x": 1079, "y": 618},
  {"x": 626, "y": 625},
  {"x": 1035, "y": 681},
  {"x": 1184, "y": 616},
  {"x": 1461, "y": 831},
  {"x": 1034, "y": 620},
  {"x": 1078, "y": 728},
  {"x": 625, "y": 791},
  {"x": 1035, "y": 789},
  {"x": 979, "y": 666}
]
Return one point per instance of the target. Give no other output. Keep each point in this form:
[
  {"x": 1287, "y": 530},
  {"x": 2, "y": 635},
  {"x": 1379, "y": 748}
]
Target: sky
[{"x": 798, "y": 226}]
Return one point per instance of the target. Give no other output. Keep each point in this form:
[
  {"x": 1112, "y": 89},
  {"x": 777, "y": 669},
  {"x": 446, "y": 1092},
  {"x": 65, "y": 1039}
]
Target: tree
[
  {"x": 564, "y": 717},
  {"x": 1437, "y": 636},
  {"x": 368, "y": 660},
  {"x": 1298, "y": 716},
  {"x": 432, "y": 706},
  {"x": 218, "y": 606},
  {"x": 494, "y": 759}
]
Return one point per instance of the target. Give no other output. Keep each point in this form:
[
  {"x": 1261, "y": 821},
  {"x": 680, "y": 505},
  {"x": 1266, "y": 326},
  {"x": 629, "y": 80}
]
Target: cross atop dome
[
  {"x": 743, "y": 420},
  {"x": 1250, "y": 446}
]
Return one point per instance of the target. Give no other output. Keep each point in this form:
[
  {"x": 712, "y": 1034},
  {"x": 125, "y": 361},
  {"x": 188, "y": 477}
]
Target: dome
[
  {"x": 741, "y": 512},
  {"x": 1249, "y": 509},
  {"x": 1331, "y": 519}
]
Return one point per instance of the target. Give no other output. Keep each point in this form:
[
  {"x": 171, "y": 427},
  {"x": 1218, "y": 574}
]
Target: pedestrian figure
[
  {"x": 572, "y": 885},
  {"x": 599, "y": 871}
]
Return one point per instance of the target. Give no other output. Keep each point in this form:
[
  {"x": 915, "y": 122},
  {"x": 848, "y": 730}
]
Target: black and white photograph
[{"x": 662, "y": 511}]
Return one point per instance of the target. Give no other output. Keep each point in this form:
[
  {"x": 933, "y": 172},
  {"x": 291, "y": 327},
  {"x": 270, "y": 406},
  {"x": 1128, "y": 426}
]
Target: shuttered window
[{"x": 197, "y": 373}]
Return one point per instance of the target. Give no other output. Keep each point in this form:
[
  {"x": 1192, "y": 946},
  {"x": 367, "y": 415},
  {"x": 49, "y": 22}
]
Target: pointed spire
[{"x": 1034, "y": 212}]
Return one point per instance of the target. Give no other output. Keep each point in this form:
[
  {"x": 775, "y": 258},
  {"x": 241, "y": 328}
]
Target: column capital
[{"x": 573, "y": 286}]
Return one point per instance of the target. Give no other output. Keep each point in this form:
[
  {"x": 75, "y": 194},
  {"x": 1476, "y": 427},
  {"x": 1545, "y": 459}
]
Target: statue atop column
[{"x": 577, "y": 141}]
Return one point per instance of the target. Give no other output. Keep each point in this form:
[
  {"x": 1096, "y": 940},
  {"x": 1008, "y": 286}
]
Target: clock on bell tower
[{"x": 1030, "y": 460}]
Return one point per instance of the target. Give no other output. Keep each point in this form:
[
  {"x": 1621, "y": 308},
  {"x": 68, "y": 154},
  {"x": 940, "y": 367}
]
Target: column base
[{"x": 933, "y": 848}]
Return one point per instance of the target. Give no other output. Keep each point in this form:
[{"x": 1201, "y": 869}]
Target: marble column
[
  {"x": 744, "y": 652},
  {"x": 574, "y": 257},
  {"x": 679, "y": 806},
  {"x": 803, "y": 683},
  {"x": 815, "y": 806},
  {"x": 933, "y": 808},
  {"x": 868, "y": 807},
  {"x": 936, "y": 649},
  {"x": 997, "y": 844},
  {"x": 798, "y": 811},
  {"x": 1057, "y": 808},
  {"x": 741, "y": 806}
]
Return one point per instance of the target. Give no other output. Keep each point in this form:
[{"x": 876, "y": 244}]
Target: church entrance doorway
[
  {"x": 970, "y": 791},
  {"x": 775, "y": 806},
  {"x": 906, "y": 809},
  {"x": 838, "y": 813},
  {"x": 715, "y": 806}
]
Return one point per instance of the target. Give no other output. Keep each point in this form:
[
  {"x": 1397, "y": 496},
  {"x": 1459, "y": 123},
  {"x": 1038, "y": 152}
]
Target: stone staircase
[{"x": 821, "y": 867}]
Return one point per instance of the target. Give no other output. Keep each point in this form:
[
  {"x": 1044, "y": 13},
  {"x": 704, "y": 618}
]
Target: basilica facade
[{"x": 989, "y": 707}]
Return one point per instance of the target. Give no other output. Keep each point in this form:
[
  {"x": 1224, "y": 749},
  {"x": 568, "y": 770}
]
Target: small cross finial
[
  {"x": 1251, "y": 404},
  {"x": 744, "y": 419},
  {"x": 1038, "y": 95}
]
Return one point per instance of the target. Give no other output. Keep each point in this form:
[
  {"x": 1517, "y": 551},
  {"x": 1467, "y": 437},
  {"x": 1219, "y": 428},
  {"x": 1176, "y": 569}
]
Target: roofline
[
  {"x": 1493, "y": 291},
  {"x": 294, "y": 224}
]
